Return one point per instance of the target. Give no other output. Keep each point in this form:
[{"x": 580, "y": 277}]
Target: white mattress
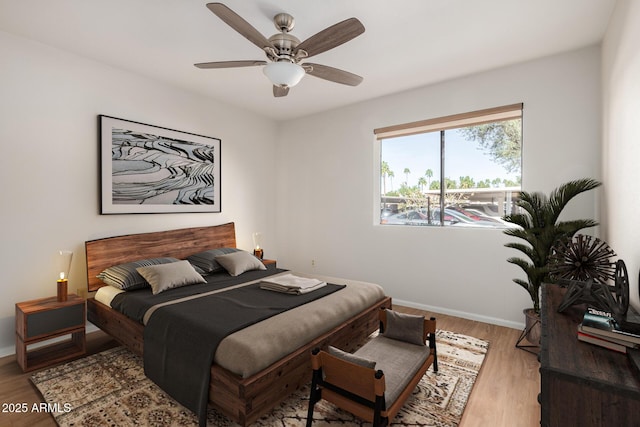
[{"x": 252, "y": 349}]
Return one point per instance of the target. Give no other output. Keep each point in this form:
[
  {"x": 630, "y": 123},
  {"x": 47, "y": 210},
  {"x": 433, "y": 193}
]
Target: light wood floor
[{"x": 505, "y": 393}]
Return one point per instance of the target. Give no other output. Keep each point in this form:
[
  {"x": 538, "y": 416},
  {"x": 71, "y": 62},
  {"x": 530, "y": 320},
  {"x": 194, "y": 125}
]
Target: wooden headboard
[{"x": 110, "y": 251}]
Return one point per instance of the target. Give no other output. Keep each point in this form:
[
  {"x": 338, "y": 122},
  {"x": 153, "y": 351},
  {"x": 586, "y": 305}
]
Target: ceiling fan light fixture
[{"x": 284, "y": 73}]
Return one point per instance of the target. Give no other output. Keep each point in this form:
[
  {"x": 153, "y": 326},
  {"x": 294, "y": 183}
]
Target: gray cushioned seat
[{"x": 398, "y": 360}]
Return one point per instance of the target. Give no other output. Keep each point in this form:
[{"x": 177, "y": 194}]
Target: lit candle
[
  {"x": 65, "y": 265},
  {"x": 257, "y": 240}
]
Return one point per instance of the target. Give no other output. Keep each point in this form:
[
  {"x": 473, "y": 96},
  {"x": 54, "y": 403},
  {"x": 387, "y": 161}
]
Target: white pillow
[
  {"x": 237, "y": 263},
  {"x": 167, "y": 276}
]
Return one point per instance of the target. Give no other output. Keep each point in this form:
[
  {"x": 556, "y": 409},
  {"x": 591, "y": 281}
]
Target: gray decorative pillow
[
  {"x": 168, "y": 276},
  {"x": 237, "y": 263},
  {"x": 207, "y": 260},
  {"x": 198, "y": 270},
  {"x": 126, "y": 277},
  {"x": 405, "y": 327},
  {"x": 349, "y": 357}
]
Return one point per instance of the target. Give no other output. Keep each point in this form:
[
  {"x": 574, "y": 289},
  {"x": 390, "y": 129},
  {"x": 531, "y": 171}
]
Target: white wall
[
  {"x": 308, "y": 184},
  {"x": 49, "y": 103},
  {"x": 621, "y": 136},
  {"x": 328, "y": 182}
]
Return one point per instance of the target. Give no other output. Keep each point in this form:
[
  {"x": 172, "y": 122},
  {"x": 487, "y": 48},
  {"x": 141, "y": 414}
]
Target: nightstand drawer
[
  {"x": 46, "y": 322},
  {"x": 42, "y": 320}
]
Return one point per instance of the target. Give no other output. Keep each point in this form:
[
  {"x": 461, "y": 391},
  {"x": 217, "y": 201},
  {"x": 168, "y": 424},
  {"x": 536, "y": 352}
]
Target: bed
[{"x": 240, "y": 393}]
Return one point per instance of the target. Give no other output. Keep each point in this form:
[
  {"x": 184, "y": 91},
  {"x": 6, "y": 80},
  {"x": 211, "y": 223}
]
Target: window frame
[{"x": 441, "y": 124}]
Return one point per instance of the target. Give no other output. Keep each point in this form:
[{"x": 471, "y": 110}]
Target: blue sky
[{"x": 422, "y": 152}]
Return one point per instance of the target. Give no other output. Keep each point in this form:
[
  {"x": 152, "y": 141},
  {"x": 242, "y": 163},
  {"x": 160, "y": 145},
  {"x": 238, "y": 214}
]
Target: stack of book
[{"x": 600, "y": 328}]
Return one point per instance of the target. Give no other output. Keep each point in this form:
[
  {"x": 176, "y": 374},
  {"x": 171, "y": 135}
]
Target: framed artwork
[{"x": 150, "y": 169}]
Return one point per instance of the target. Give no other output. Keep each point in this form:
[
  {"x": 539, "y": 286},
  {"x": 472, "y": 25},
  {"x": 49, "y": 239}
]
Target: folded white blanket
[
  {"x": 289, "y": 289},
  {"x": 291, "y": 281}
]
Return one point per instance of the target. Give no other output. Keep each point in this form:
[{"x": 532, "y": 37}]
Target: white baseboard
[
  {"x": 11, "y": 350},
  {"x": 462, "y": 314},
  {"x": 7, "y": 351}
]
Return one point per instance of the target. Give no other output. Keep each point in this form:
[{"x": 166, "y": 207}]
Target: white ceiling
[{"x": 407, "y": 44}]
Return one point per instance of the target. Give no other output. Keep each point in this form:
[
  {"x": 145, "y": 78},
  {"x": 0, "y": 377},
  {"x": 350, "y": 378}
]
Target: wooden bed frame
[{"x": 244, "y": 400}]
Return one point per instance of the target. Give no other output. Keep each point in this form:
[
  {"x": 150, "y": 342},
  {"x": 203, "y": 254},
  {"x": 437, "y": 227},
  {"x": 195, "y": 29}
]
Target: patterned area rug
[{"x": 110, "y": 389}]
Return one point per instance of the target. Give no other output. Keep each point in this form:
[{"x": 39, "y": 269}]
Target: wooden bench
[{"x": 374, "y": 382}]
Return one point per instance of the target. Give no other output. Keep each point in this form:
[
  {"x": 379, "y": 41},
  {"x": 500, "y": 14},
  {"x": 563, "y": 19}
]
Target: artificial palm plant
[{"x": 540, "y": 229}]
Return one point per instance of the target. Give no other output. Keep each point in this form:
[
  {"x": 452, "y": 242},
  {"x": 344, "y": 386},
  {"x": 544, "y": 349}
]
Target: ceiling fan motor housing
[{"x": 285, "y": 44}]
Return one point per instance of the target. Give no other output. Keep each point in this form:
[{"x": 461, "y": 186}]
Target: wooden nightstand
[
  {"x": 43, "y": 319},
  {"x": 268, "y": 261}
]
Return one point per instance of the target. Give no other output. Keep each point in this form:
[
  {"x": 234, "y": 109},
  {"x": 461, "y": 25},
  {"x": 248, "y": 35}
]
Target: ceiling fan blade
[
  {"x": 331, "y": 37},
  {"x": 333, "y": 74},
  {"x": 236, "y": 22},
  {"x": 229, "y": 64},
  {"x": 279, "y": 91}
]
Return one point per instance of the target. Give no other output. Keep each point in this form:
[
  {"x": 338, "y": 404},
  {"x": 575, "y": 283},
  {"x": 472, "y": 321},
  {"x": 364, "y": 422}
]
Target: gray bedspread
[
  {"x": 258, "y": 346},
  {"x": 180, "y": 339}
]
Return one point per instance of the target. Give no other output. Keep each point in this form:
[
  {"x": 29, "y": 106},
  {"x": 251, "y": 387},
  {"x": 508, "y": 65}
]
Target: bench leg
[
  {"x": 378, "y": 420},
  {"x": 310, "y": 413},
  {"x": 314, "y": 396},
  {"x": 432, "y": 347}
]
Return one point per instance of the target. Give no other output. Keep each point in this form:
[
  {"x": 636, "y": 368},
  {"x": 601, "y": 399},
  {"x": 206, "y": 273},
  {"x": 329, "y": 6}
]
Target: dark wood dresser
[{"x": 582, "y": 384}]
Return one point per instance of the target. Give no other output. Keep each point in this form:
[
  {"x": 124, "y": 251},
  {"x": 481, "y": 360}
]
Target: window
[{"x": 476, "y": 155}]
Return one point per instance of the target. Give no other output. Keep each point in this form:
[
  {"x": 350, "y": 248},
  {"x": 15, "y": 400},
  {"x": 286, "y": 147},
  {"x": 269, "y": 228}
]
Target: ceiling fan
[{"x": 286, "y": 53}]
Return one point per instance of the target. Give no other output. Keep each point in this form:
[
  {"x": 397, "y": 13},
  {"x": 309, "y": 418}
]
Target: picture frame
[{"x": 152, "y": 169}]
